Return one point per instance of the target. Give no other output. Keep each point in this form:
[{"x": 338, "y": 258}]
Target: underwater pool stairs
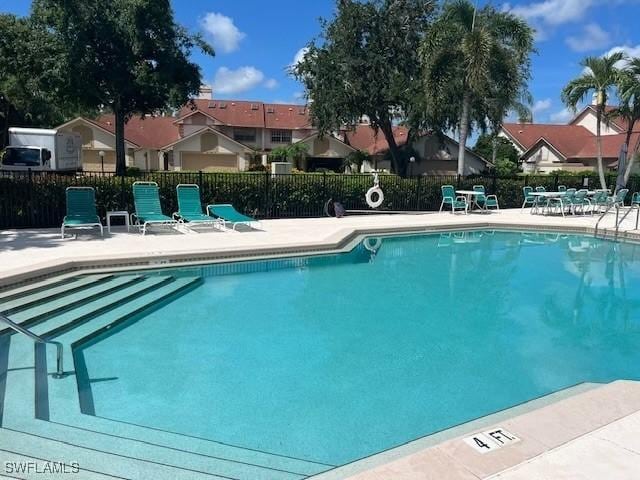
[{"x": 41, "y": 414}]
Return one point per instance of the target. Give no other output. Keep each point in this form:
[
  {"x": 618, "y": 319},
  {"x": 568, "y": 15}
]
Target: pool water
[{"x": 334, "y": 358}]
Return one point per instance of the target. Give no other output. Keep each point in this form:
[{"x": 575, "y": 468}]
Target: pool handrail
[{"x": 59, "y": 349}]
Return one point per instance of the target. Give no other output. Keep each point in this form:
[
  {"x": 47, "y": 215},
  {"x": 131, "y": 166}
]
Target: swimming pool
[{"x": 334, "y": 358}]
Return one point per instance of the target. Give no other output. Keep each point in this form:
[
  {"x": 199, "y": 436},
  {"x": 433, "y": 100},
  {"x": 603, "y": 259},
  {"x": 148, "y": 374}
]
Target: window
[
  {"x": 244, "y": 135},
  {"x": 280, "y": 136},
  {"x": 24, "y": 157}
]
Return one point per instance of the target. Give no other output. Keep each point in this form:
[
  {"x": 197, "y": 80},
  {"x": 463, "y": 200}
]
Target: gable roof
[
  {"x": 145, "y": 132},
  {"x": 617, "y": 123},
  {"x": 364, "y": 137},
  {"x": 244, "y": 113},
  {"x": 207, "y": 129},
  {"x": 567, "y": 139}
]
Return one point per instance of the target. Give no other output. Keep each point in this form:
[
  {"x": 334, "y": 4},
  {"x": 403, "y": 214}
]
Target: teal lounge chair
[
  {"x": 485, "y": 201},
  {"x": 449, "y": 198},
  {"x": 228, "y": 214},
  {"x": 81, "y": 210},
  {"x": 635, "y": 199},
  {"x": 190, "y": 207},
  {"x": 148, "y": 211}
]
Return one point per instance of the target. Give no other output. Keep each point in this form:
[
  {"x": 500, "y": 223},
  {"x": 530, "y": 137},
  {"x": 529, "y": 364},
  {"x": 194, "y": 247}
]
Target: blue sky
[{"x": 256, "y": 40}]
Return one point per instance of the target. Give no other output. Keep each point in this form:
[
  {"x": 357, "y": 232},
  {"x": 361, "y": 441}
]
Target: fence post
[
  {"x": 123, "y": 204},
  {"x": 267, "y": 208},
  {"x": 324, "y": 187},
  {"x": 30, "y": 199},
  {"x": 418, "y": 193},
  {"x": 495, "y": 184},
  {"x": 200, "y": 178},
  {"x": 555, "y": 183},
  {"x": 458, "y": 181}
]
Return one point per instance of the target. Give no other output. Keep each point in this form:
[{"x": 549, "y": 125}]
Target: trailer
[{"x": 42, "y": 150}]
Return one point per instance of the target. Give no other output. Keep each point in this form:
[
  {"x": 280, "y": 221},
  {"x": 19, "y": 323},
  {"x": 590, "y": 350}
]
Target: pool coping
[{"x": 339, "y": 242}]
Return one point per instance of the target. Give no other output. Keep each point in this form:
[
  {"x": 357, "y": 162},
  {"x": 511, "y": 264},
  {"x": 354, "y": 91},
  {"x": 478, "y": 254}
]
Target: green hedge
[{"x": 38, "y": 200}]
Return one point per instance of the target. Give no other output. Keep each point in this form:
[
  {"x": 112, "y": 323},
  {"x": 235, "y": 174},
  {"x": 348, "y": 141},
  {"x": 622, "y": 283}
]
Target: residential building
[
  {"x": 434, "y": 155},
  {"x": 544, "y": 148}
]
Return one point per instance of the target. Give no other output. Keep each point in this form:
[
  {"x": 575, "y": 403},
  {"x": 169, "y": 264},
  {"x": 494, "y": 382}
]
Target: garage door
[
  {"x": 91, "y": 161},
  {"x": 205, "y": 162}
]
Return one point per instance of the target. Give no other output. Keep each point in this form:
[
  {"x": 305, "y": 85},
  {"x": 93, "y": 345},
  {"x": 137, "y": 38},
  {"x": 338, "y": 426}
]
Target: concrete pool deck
[{"x": 590, "y": 435}]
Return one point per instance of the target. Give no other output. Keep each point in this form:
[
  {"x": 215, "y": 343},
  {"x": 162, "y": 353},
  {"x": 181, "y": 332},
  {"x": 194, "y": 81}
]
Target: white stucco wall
[{"x": 589, "y": 121}]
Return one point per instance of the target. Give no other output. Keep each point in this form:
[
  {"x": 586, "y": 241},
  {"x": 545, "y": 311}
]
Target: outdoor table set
[{"x": 569, "y": 200}]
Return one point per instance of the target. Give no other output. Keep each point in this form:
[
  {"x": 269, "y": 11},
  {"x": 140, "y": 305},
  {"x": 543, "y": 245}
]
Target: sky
[{"x": 256, "y": 41}]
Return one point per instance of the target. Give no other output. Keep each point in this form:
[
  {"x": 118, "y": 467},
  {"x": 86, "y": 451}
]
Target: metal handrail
[
  {"x": 618, "y": 219},
  {"x": 603, "y": 215},
  {"x": 59, "y": 349}
]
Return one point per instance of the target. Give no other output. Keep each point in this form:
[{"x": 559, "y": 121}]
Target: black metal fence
[{"x": 37, "y": 199}]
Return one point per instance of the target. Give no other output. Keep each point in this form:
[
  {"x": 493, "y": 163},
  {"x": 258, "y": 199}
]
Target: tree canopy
[
  {"x": 493, "y": 147},
  {"x": 476, "y": 69},
  {"x": 599, "y": 76},
  {"x": 26, "y": 65},
  {"x": 366, "y": 63},
  {"x": 126, "y": 56}
]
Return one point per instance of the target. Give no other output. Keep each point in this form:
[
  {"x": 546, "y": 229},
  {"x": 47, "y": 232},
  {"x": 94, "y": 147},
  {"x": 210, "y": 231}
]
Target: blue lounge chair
[{"x": 190, "y": 207}]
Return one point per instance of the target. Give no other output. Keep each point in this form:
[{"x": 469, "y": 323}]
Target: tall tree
[
  {"x": 126, "y": 56},
  {"x": 600, "y": 76},
  {"x": 477, "y": 65},
  {"x": 628, "y": 92},
  {"x": 367, "y": 64},
  {"x": 25, "y": 63}
]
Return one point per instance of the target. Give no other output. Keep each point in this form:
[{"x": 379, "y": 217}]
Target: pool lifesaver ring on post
[
  {"x": 373, "y": 191},
  {"x": 372, "y": 244}
]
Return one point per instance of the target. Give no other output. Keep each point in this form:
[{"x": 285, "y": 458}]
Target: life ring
[
  {"x": 372, "y": 247},
  {"x": 369, "y": 197}
]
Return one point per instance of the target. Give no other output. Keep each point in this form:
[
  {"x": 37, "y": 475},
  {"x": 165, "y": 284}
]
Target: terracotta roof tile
[
  {"x": 237, "y": 113},
  {"x": 364, "y": 137},
  {"x": 567, "y": 139},
  {"x": 294, "y": 117},
  {"x": 146, "y": 132}
]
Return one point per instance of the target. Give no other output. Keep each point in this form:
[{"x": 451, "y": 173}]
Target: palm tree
[
  {"x": 628, "y": 87},
  {"x": 476, "y": 69},
  {"x": 600, "y": 76}
]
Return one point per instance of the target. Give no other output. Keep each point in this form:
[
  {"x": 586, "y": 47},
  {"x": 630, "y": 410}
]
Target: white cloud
[
  {"x": 227, "y": 81},
  {"x": 541, "y": 106},
  {"x": 271, "y": 83},
  {"x": 592, "y": 37},
  {"x": 225, "y": 35},
  {"x": 631, "y": 51},
  {"x": 552, "y": 12},
  {"x": 299, "y": 56},
  {"x": 562, "y": 116}
]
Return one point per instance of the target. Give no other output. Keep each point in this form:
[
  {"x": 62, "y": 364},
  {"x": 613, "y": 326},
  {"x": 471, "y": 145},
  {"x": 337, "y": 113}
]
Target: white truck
[{"x": 42, "y": 149}]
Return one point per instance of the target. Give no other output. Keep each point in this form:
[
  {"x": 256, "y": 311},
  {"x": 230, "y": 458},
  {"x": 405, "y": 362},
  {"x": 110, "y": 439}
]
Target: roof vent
[
  {"x": 223, "y": 105},
  {"x": 290, "y": 109},
  {"x": 233, "y": 104},
  {"x": 254, "y": 106},
  {"x": 270, "y": 110},
  {"x": 302, "y": 111},
  {"x": 213, "y": 104}
]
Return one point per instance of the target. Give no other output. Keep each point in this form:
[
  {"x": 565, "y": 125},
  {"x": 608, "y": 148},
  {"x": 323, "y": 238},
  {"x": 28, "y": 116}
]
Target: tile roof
[
  {"x": 243, "y": 113},
  {"x": 567, "y": 139},
  {"x": 571, "y": 141},
  {"x": 294, "y": 117},
  {"x": 147, "y": 132},
  {"x": 364, "y": 137}
]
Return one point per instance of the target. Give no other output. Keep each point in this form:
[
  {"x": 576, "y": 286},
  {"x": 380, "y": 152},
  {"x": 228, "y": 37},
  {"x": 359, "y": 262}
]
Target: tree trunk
[
  {"x": 631, "y": 153},
  {"x": 398, "y": 162},
  {"x": 121, "y": 161},
  {"x": 464, "y": 132},
  {"x": 603, "y": 181}
]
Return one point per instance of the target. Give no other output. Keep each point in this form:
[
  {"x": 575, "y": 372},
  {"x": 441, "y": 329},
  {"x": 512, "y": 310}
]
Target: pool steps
[{"x": 53, "y": 422}]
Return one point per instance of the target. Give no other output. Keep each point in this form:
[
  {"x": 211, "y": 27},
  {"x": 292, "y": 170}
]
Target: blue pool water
[{"x": 335, "y": 358}]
